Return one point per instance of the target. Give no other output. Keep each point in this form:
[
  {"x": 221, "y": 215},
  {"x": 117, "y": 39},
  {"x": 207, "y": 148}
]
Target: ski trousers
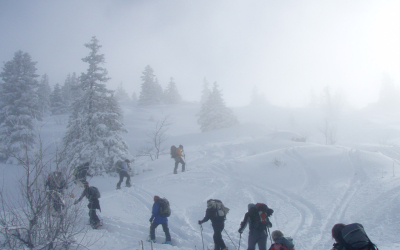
[
  {"x": 219, "y": 243},
  {"x": 153, "y": 227},
  {"x": 178, "y": 160},
  {"x": 257, "y": 237},
  {"x": 123, "y": 174}
]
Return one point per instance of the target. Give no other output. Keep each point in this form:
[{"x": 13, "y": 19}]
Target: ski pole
[
  {"x": 240, "y": 238},
  {"x": 201, "y": 231},
  {"x": 230, "y": 238},
  {"x": 268, "y": 232}
]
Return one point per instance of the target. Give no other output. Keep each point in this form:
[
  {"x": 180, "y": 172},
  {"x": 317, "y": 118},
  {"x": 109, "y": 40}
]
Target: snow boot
[
  {"x": 167, "y": 242},
  {"x": 128, "y": 185},
  {"x": 97, "y": 225},
  {"x": 149, "y": 240},
  {"x": 118, "y": 187}
]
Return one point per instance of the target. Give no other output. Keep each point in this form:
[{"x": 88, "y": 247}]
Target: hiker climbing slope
[
  {"x": 159, "y": 214},
  {"x": 216, "y": 212},
  {"x": 257, "y": 218},
  {"x": 124, "y": 169},
  {"x": 177, "y": 154},
  {"x": 93, "y": 195}
]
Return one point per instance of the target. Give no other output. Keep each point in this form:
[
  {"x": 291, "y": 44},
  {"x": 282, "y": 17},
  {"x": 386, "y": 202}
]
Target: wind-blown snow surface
[{"x": 309, "y": 185}]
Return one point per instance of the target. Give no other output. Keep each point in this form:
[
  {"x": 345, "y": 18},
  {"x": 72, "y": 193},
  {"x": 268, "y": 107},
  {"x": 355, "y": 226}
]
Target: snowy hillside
[{"x": 309, "y": 185}]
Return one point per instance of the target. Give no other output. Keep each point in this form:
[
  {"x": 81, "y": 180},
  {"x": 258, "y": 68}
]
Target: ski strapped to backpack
[
  {"x": 94, "y": 192},
  {"x": 218, "y": 206},
  {"x": 353, "y": 237},
  {"x": 173, "y": 151},
  {"x": 165, "y": 210}
]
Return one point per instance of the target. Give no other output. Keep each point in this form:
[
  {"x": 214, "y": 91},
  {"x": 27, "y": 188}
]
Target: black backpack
[
  {"x": 259, "y": 216},
  {"x": 81, "y": 171},
  {"x": 173, "y": 151},
  {"x": 165, "y": 210},
  {"x": 353, "y": 237},
  {"x": 94, "y": 193}
]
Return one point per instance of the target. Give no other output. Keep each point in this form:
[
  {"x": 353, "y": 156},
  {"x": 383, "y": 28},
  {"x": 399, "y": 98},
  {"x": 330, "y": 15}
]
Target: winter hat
[
  {"x": 180, "y": 146},
  {"x": 156, "y": 197},
  {"x": 86, "y": 164},
  {"x": 127, "y": 160},
  {"x": 276, "y": 234},
  {"x": 86, "y": 184},
  {"x": 250, "y": 206}
]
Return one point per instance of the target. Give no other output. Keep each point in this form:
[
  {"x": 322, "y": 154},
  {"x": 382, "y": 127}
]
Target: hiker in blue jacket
[{"x": 155, "y": 220}]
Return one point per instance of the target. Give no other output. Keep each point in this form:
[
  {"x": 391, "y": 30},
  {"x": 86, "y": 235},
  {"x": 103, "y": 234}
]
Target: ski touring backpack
[
  {"x": 353, "y": 237},
  {"x": 118, "y": 166},
  {"x": 165, "y": 210},
  {"x": 81, "y": 171},
  {"x": 94, "y": 192},
  {"x": 259, "y": 216},
  {"x": 173, "y": 151},
  {"x": 218, "y": 207}
]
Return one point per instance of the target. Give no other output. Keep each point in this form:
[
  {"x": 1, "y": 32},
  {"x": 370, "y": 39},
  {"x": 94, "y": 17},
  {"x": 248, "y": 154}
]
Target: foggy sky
[{"x": 285, "y": 48}]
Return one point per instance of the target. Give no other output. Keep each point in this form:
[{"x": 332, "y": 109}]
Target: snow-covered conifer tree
[
  {"x": 95, "y": 125},
  {"x": 205, "y": 93},
  {"x": 58, "y": 105},
  {"x": 171, "y": 94},
  {"x": 19, "y": 105},
  {"x": 122, "y": 96},
  {"x": 150, "y": 93},
  {"x": 44, "y": 92},
  {"x": 214, "y": 114}
]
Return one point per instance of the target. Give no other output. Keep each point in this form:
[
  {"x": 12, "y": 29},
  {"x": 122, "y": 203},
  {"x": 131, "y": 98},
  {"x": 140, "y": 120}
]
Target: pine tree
[
  {"x": 205, "y": 93},
  {"x": 214, "y": 114},
  {"x": 58, "y": 105},
  {"x": 122, "y": 96},
  {"x": 171, "y": 95},
  {"x": 44, "y": 92},
  {"x": 19, "y": 106},
  {"x": 151, "y": 92},
  {"x": 95, "y": 125},
  {"x": 75, "y": 88}
]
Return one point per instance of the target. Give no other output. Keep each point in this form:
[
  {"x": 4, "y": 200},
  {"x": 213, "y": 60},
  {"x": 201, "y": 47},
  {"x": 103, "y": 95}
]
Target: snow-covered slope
[{"x": 310, "y": 186}]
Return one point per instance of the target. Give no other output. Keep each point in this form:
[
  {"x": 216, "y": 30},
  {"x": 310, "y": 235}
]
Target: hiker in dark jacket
[
  {"x": 155, "y": 220},
  {"x": 336, "y": 234},
  {"x": 81, "y": 172},
  {"x": 281, "y": 242},
  {"x": 124, "y": 172},
  {"x": 93, "y": 205},
  {"x": 178, "y": 159},
  {"x": 257, "y": 235},
  {"x": 218, "y": 224}
]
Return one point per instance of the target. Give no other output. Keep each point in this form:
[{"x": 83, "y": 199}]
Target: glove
[
  {"x": 240, "y": 230},
  {"x": 151, "y": 220},
  {"x": 75, "y": 202},
  {"x": 200, "y": 222}
]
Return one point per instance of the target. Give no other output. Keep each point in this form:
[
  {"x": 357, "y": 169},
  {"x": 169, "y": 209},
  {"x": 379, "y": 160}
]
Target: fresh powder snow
[{"x": 309, "y": 185}]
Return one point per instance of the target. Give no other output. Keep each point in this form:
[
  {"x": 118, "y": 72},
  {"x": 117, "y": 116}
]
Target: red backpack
[{"x": 259, "y": 217}]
